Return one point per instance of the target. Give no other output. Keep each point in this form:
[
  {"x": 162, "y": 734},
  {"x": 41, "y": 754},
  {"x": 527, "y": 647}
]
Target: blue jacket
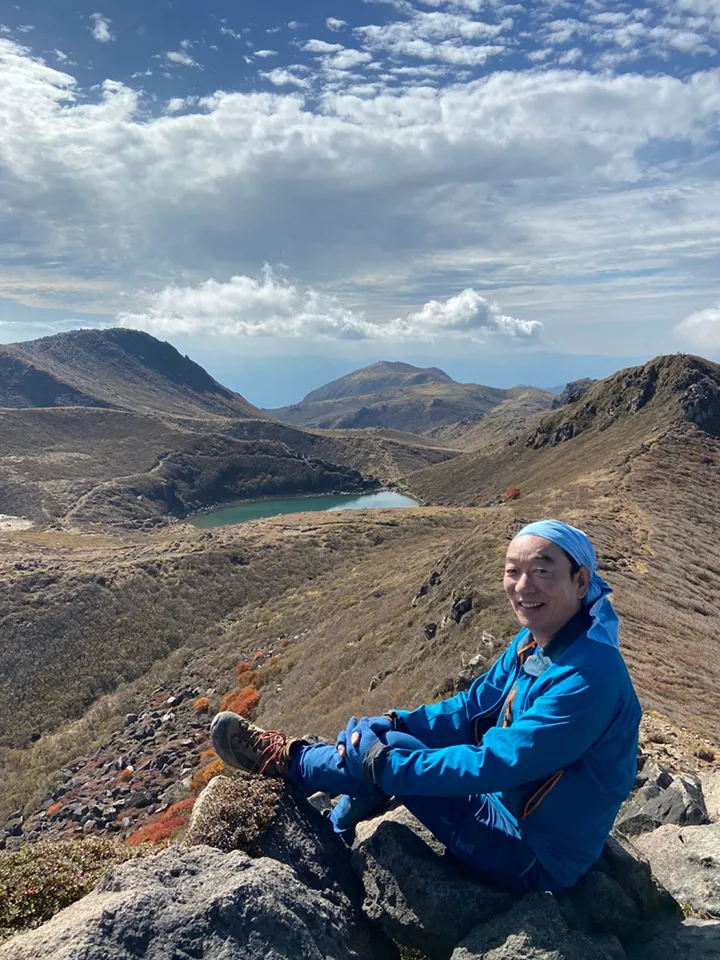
[{"x": 559, "y": 749}]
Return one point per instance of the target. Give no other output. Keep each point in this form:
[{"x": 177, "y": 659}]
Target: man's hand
[
  {"x": 362, "y": 747},
  {"x": 380, "y": 726}
]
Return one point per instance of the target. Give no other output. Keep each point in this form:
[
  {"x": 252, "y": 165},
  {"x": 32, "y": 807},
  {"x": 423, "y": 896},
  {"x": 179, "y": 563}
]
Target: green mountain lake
[{"x": 257, "y": 509}]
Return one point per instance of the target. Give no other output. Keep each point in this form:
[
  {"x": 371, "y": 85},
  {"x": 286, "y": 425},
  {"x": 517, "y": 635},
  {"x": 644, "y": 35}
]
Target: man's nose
[{"x": 523, "y": 582}]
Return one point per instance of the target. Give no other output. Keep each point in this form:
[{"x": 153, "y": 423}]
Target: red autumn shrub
[
  {"x": 201, "y": 705},
  {"x": 243, "y": 667},
  {"x": 125, "y": 774},
  {"x": 54, "y": 808},
  {"x": 258, "y": 655},
  {"x": 207, "y": 755},
  {"x": 203, "y": 776},
  {"x": 242, "y": 701},
  {"x": 162, "y": 827},
  {"x": 512, "y": 494}
]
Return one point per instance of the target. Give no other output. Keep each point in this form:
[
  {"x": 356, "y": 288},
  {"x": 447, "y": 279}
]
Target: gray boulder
[
  {"x": 197, "y": 903},
  {"x": 681, "y": 803},
  {"x": 266, "y": 818},
  {"x": 533, "y": 930},
  {"x": 693, "y": 939},
  {"x": 686, "y": 860},
  {"x": 426, "y": 899},
  {"x": 651, "y": 772},
  {"x": 415, "y": 893},
  {"x": 618, "y": 896},
  {"x": 711, "y": 792}
]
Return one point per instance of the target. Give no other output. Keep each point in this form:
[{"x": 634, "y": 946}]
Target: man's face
[{"x": 539, "y": 587}]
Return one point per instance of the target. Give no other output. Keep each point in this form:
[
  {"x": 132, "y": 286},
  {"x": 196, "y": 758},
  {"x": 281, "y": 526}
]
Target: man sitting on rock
[{"x": 521, "y": 776}]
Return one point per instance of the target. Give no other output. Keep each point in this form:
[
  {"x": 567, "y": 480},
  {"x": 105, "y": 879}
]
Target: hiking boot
[{"x": 246, "y": 746}]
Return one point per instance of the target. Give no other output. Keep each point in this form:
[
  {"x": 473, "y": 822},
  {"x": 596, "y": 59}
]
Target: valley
[{"x": 114, "y": 608}]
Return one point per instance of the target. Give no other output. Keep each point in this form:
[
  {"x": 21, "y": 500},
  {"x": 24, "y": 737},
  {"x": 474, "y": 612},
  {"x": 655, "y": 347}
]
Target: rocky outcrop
[
  {"x": 534, "y": 930},
  {"x": 711, "y": 792},
  {"x": 574, "y": 391},
  {"x": 663, "y": 799},
  {"x": 415, "y": 894},
  {"x": 687, "y": 861},
  {"x": 425, "y": 899},
  {"x": 261, "y": 874},
  {"x": 200, "y": 903},
  {"x": 258, "y": 816},
  {"x": 693, "y": 939}
]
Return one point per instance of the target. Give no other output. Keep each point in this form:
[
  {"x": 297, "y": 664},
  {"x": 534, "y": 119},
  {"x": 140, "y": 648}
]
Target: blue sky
[{"x": 515, "y": 192}]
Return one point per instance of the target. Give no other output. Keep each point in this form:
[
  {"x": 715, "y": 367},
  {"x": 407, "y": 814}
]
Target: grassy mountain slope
[
  {"x": 377, "y": 378},
  {"x": 396, "y": 396},
  {"x": 502, "y": 423},
  {"x": 117, "y": 368},
  {"x": 76, "y": 464},
  {"x": 615, "y": 421},
  {"x": 114, "y": 425},
  {"x": 634, "y": 462}
]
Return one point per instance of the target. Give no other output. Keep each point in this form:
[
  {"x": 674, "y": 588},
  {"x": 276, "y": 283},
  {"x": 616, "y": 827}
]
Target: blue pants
[{"x": 478, "y": 829}]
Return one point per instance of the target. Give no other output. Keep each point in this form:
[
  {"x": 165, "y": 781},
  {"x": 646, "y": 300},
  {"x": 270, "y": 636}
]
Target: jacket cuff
[
  {"x": 397, "y": 721},
  {"x": 376, "y": 761}
]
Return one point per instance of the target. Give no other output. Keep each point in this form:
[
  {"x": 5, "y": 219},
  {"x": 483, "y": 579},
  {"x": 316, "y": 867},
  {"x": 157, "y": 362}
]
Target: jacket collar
[{"x": 567, "y": 635}]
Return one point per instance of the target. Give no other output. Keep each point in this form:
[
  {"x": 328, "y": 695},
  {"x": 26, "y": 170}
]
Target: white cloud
[
  {"x": 332, "y": 23},
  {"x": 265, "y": 53},
  {"x": 280, "y": 77},
  {"x": 175, "y": 104},
  {"x": 701, "y": 330},
  {"x": 348, "y": 59},
  {"x": 273, "y": 307},
  {"x": 379, "y": 195},
  {"x": 438, "y": 36},
  {"x": 538, "y": 56},
  {"x": 101, "y": 28},
  {"x": 321, "y": 46},
  {"x": 469, "y": 314},
  {"x": 570, "y": 56},
  {"x": 181, "y": 58}
]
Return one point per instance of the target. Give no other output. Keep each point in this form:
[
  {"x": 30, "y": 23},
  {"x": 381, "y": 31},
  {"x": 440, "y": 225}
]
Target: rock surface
[
  {"x": 533, "y": 930},
  {"x": 417, "y": 895},
  {"x": 686, "y": 860},
  {"x": 264, "y": 819},
  {"x": 427, "y": 900},
  {"x": 681, "y": 802},
  {"x": 711, "y": 792},
  {"x": 691, "y": 940},
  {"x": 198, "y": 903}
]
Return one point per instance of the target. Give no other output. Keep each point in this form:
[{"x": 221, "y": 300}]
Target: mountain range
[
  {"x": 404, "y": 397},
  {"x": 99, "y": 616}
]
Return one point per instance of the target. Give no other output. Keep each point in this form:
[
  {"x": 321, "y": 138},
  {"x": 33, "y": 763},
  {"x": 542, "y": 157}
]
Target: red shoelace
[{"x": 273, "y": 751}]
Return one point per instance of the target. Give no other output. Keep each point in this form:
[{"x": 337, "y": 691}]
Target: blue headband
[{"x": 605, "y": 625}]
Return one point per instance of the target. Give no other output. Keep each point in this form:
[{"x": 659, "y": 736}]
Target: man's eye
[{"x": 510, "y": 572}]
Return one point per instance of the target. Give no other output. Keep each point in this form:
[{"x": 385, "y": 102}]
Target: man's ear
[{"x": 584, "y": 578}]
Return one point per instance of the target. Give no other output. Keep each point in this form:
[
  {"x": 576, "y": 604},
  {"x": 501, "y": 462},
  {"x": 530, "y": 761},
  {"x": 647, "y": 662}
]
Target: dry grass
[{"x": 338, "y": 591}]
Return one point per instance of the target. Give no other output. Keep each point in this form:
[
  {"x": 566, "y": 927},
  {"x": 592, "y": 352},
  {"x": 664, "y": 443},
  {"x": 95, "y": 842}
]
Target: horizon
[
  {"x": 257, "y": 377},
  {"x": 499, "y": 187}
]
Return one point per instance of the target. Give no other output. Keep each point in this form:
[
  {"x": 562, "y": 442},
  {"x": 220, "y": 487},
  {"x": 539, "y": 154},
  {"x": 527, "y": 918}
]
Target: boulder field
[{"x": 260, "y": 874}]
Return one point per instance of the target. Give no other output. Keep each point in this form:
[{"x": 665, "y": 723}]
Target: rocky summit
[
  {"x": 124, "y": 629},
  {"x": 288, "y": 887}
]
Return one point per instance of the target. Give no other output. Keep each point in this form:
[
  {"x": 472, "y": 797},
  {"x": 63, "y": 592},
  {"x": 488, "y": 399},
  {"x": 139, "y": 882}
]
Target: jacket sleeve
[
  {"x": 557, "y": 730},
  {"x": 447, "y": 723}
]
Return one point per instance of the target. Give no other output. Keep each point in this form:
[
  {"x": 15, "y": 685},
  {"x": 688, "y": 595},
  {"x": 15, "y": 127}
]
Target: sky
[{"x": 515, "y": 192}]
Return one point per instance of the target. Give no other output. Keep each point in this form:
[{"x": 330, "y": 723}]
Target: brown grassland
[{"x": 93, "y": 623}]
